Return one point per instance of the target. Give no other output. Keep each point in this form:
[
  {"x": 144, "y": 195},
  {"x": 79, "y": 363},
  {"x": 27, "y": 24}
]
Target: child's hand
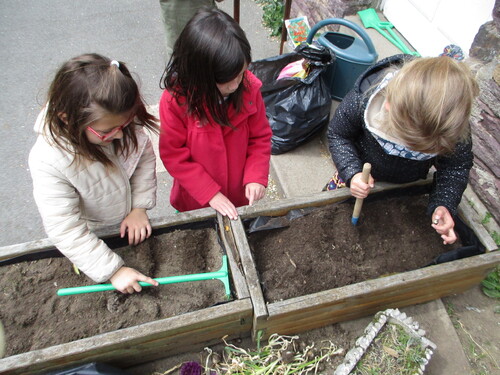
[
  {"x": 137, "y": 225},
  {"x": 126, "y": 280},
  {"x": 221, "y": 204},
  {"x": 443, "y": 223},
  {"x": 359, "y": 189},
  {"x": 254, "y": 192}
]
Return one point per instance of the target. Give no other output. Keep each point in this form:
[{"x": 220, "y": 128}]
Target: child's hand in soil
[
  {"x": 126, "y": 280},
  {"x": 223, "y": 205},
  {"x": 360, "y": 189},
  {"x": 137, "y": 225},
  {"x": 254, "y": 192},
  {"x": 443, "y": 223}
]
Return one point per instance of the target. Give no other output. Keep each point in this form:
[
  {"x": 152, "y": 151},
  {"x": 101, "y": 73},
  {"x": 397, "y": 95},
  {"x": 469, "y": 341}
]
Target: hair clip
[{"x": 114, "y": 62}]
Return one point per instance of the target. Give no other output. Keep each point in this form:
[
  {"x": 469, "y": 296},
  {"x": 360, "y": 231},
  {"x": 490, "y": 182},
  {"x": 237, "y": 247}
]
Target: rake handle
[
  {"x": 221, "y": 275},
  {"x": 367, "y": 167}
]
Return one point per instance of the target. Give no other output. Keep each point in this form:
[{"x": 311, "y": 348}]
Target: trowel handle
[
  {"x": 340, "y": 21},
  {"x": 367, "y": 167},
  {"x": 365, "y": 173}
]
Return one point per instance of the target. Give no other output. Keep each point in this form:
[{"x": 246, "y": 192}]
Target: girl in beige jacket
[{"x": 93, "y": 165}]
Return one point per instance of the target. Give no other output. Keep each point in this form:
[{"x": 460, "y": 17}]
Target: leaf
[
  {"x": 390, "y": 351},
  {"x": 490, "y": 285},
  {"x": 491, "y": 293}
]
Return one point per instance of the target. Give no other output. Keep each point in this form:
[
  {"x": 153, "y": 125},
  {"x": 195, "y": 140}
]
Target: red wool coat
[{"x": 204, "y": 160}]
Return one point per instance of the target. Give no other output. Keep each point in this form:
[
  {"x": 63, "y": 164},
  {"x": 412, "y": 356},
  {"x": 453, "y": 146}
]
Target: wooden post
[
  {"x": 286, "y": 15},
  {"x": 236, "y": 10}
]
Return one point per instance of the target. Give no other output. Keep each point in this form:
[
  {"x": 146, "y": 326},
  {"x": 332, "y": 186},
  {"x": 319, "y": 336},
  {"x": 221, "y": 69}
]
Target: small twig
[
  {"x": 169, "y": 371},
  {"x": 290, "y": 259},
  {"x": 479, "y": 346}
]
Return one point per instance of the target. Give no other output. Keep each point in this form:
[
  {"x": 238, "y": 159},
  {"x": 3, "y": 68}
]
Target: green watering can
[{"x": 353, "y": 55}]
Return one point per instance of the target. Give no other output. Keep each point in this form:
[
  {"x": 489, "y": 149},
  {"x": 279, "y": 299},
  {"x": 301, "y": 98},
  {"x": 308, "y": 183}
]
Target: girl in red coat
[{"x": 215, "y": 139}]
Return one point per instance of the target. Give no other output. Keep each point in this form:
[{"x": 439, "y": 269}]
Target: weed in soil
[{"x": 280, "y": 355}]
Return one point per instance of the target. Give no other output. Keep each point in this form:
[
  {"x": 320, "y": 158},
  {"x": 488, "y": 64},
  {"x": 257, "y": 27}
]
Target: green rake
[
  {"x": 370, "y": 19},
  {"x": 221, "y": 274}
]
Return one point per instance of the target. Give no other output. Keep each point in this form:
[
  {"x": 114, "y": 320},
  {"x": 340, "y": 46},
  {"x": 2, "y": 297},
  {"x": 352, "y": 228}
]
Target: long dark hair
[
  {"x": 84, "y": 89},
  {"x": 212, "y": 49}
]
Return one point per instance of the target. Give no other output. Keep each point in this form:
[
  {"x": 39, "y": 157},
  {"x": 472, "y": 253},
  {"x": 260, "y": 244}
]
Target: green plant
[
  {"x": 273, "y": 15},
  {"x": 281, "y": 355},
  {"x": 486, "y": 219},
  {"x": 491, "y": 284},
  {"x": 496, "y": 237}
]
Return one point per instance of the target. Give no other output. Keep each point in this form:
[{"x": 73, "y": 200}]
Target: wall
[{"x": 485, "y": 56}]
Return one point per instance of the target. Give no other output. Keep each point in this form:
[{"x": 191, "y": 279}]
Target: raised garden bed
[
  {"x": 287, "y": 302},
  {"x": 46, "y": 332},
  {"x": 249, "y": 311}
]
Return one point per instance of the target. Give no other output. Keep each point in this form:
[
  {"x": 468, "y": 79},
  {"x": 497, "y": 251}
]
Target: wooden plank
[
  {"x": 473, "y": 221},
  {"x": 252, "y": 279},
  {"x": 12, "y": 251},
  {"x": 233, "y": 257},
  {"x": 354, "y": 301},
  {"x": 141, "y": 343},
  {"x": 478, "y": 206},
  {"x": 282, "y": 206}
]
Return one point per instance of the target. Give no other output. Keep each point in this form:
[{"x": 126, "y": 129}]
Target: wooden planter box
[
  {"x": 311, "y": 311},
  {"x": 153, "y": 340}
]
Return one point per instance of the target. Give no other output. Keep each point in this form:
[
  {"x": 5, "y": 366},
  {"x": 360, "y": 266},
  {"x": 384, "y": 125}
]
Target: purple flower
[{"x": 191, "y": 368}]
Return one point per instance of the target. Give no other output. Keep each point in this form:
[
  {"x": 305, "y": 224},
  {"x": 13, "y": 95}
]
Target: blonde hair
[{"x": 430, "y": 101}]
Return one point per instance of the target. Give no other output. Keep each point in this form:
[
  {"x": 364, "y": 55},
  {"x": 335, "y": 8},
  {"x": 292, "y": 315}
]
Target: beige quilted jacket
[{"x": 74, "y": 199}]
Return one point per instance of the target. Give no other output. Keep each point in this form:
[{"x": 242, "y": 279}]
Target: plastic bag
[
  {"x": 297, "y": 108},
  {"x": 91, "y": 369}
]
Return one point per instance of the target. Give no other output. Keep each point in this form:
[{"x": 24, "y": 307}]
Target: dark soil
[
  {"x": 34, "y": 317},
  {"x": 323, "y": 250}
]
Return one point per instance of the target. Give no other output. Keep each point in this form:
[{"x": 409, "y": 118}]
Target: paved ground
[{"x": 35, "y": 39}]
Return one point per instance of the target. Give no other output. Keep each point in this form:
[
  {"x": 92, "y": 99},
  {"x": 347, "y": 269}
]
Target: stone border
[{"x": 372, "y": 330}]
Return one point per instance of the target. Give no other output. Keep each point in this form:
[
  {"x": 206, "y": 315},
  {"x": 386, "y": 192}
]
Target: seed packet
[{"x": 298, "y": 30}]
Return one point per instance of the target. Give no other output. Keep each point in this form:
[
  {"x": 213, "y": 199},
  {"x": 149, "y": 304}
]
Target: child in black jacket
[{"x": 404, "y": 116}]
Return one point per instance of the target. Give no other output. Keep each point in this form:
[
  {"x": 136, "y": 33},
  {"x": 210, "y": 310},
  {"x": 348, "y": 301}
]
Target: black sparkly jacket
[{"x": 351, "y": 145}]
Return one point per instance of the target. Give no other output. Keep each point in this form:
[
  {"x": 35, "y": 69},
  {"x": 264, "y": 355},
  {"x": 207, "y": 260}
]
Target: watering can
[{"x": 353, "y": 55}]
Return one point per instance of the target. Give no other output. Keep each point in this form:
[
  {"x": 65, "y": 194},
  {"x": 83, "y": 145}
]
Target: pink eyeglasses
[{"x": 110, "y": 134}]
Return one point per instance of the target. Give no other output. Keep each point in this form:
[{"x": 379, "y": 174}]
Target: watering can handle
[{"x": 343, "y": 22}]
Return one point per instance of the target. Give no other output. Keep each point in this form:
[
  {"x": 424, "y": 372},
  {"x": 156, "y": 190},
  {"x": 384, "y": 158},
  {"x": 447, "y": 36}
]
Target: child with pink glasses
[{"x": 93, "y": 165}]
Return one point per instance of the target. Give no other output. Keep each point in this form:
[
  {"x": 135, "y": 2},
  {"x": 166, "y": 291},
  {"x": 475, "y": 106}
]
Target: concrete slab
[{"x": 304, "y": 170}]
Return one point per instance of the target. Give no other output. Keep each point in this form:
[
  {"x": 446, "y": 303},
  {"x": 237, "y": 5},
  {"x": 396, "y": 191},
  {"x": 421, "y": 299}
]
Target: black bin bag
[{"x": 297, "y": 108}]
